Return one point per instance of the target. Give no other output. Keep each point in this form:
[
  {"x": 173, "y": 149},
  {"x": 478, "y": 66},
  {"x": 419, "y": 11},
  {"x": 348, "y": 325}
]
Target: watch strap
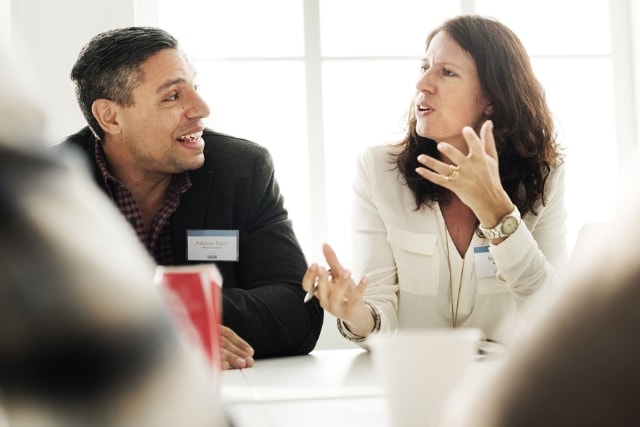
[{"x": 498, "y": 231}]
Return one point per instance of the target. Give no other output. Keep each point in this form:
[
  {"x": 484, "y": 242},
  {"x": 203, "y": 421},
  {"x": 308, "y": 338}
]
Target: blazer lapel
[{"x": 192, "y": 212}]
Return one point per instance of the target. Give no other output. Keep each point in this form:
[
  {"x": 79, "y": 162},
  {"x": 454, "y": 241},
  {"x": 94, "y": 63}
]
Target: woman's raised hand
[{"x": 473, "y": 177}]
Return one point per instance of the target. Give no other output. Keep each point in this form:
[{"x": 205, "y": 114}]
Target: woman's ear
[
  {"x": 105, "y": 113},
  {"x": 488, "y": 110}
]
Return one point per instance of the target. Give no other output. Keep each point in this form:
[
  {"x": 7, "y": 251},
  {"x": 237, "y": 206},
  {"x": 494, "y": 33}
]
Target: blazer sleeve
[{"x": 265, "y": 304}]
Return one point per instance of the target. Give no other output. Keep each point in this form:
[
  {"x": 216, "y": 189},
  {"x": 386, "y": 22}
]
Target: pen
[{"x": 313, "y": 290}]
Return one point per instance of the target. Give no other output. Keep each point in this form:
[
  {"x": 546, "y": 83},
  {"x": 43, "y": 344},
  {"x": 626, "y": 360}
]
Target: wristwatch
[{"x": 506, "y": 227}]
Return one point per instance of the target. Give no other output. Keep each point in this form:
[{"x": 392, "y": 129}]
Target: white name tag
[
  {"x": 212, "y": 245},
  {"x": 485, "y": 265}
]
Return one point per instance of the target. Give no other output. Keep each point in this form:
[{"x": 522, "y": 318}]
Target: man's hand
[{"x": 235, "y": 352}]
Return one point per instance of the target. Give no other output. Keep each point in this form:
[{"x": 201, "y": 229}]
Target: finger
[
  {"x": 308, "y": 280},
  {"x": 434, "y": 168},
  {"x": 323, "y": 293},
  {"x": 232, "y": 342},
  {"x": 344, "y": 287},
  {"x": 233, "y": 361},
  {"x": 349, "y": 295},
  {"x": 473, "y": 140},
  {"x": 332, "y": 260},
  {"x": 339, "y": 294},
  {"x": 452, "y": 153},
  {"x": 362, "y": 287},
  {"x": 356, "y": 292},
  {"x": 438, "y": 176},
  {"x": 486, "y": 134},
  {"x": 224, "y": 364},
  {"x": 234, "y": 351}
]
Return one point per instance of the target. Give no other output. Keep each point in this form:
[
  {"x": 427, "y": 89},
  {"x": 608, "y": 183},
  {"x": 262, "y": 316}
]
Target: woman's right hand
[{"x": 338, "y": 293}]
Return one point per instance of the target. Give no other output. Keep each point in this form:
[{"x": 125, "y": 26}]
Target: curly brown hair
[{"x": 523, "y": 125}]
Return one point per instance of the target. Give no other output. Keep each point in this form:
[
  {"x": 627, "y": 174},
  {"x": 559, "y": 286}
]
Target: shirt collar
[{"x": 181, "y": 182}]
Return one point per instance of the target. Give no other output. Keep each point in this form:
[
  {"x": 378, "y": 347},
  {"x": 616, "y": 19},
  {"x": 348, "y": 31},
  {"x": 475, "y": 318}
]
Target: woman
[{"x": 437, "y": 226}]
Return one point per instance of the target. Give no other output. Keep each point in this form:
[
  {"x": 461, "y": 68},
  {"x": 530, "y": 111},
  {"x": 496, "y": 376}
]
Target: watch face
[{"x": 509, "y": 225}]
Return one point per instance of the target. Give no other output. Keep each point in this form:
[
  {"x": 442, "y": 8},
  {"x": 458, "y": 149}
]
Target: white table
[{"x": 325, "y": 388}]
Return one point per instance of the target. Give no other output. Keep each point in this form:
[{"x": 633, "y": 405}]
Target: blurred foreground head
[
  {"x": 577, "y": 365},
  {"x": 84, "y": 337}
]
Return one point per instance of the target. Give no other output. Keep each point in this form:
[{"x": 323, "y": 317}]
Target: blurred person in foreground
[
  {"x": 462, "y": 223},
  {"x": 182, "y": 187},
  {"x": 577, "y": 362},
  {"x": 85, "y": 339}
]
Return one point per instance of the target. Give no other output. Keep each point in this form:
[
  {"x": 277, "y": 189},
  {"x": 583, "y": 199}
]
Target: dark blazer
[{"x": 236, "y": 189}]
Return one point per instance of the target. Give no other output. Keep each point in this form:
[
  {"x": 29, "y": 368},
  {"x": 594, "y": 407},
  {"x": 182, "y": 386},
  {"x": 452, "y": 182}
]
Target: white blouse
[{"x": 403, "y": 251}]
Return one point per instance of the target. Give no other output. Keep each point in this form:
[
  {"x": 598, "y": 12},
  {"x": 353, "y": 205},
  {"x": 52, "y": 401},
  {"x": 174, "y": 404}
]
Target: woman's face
[{"x": 449, "y": 95}]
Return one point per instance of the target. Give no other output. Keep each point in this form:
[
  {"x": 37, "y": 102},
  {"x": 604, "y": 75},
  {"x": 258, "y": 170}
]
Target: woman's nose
[{"x": 425, "y": 82}]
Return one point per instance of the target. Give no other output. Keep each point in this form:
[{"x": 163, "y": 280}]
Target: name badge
[
  {"x": 485, "y": 265},
  {"x": 212, "y": 245}
]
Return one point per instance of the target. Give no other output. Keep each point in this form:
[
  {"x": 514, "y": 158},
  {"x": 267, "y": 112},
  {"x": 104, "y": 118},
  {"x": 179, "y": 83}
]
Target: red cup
[{"x": 192, "y": 293}]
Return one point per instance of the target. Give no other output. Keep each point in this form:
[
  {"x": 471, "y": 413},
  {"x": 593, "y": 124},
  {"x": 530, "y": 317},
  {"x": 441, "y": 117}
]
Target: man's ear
[{"x": 105, "y": 112}]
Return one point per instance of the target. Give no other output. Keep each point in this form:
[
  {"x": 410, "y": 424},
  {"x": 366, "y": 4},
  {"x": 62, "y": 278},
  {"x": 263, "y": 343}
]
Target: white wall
[
  {"x": 41, "y": 31},
  {"x": 50, "y": 34},
  {"x": 635, "y": 49}
]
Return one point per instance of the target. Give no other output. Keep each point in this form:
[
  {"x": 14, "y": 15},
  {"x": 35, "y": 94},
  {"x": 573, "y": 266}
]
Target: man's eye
[{"x": 172, "y": 97}]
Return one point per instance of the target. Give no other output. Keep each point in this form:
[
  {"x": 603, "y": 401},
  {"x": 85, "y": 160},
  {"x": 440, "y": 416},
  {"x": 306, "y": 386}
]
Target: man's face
[{"x": 161, "y": 133}]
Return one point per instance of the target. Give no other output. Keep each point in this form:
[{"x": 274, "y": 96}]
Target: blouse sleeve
[
  {"x": 371, "y": 251},
  {"x": 528, "y": 261}
]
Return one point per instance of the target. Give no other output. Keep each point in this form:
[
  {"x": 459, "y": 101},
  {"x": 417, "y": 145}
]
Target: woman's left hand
[
  {"x": 338, "y": 293},
  {"x": 474, "y": 177}
]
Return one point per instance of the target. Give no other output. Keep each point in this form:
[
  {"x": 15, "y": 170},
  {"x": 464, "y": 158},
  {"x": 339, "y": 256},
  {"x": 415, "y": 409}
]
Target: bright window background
[{"x": 316, "y": 81}]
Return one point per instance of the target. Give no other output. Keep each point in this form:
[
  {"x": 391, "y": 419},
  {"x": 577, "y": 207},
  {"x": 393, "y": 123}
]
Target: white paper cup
[{"x": 419, "y": 368}]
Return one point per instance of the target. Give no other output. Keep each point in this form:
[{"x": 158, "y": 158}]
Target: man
[
  {"x": 193, "y": 195},
  {"x": 85, "y": 339}
]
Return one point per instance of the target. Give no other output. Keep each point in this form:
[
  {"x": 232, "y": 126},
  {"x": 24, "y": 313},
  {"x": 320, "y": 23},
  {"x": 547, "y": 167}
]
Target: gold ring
[{"x": 455, "y": 171}]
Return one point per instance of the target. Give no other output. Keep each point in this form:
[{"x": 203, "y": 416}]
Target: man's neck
[{"x": 149, "y": 189}]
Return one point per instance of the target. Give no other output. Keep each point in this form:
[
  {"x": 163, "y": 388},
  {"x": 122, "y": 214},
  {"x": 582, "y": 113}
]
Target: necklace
[
  {"x": 455, "y": 303},
  {"x": 454, "y": 312}
]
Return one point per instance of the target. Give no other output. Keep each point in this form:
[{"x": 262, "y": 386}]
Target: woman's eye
[{"x": 448, "y": 72}]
